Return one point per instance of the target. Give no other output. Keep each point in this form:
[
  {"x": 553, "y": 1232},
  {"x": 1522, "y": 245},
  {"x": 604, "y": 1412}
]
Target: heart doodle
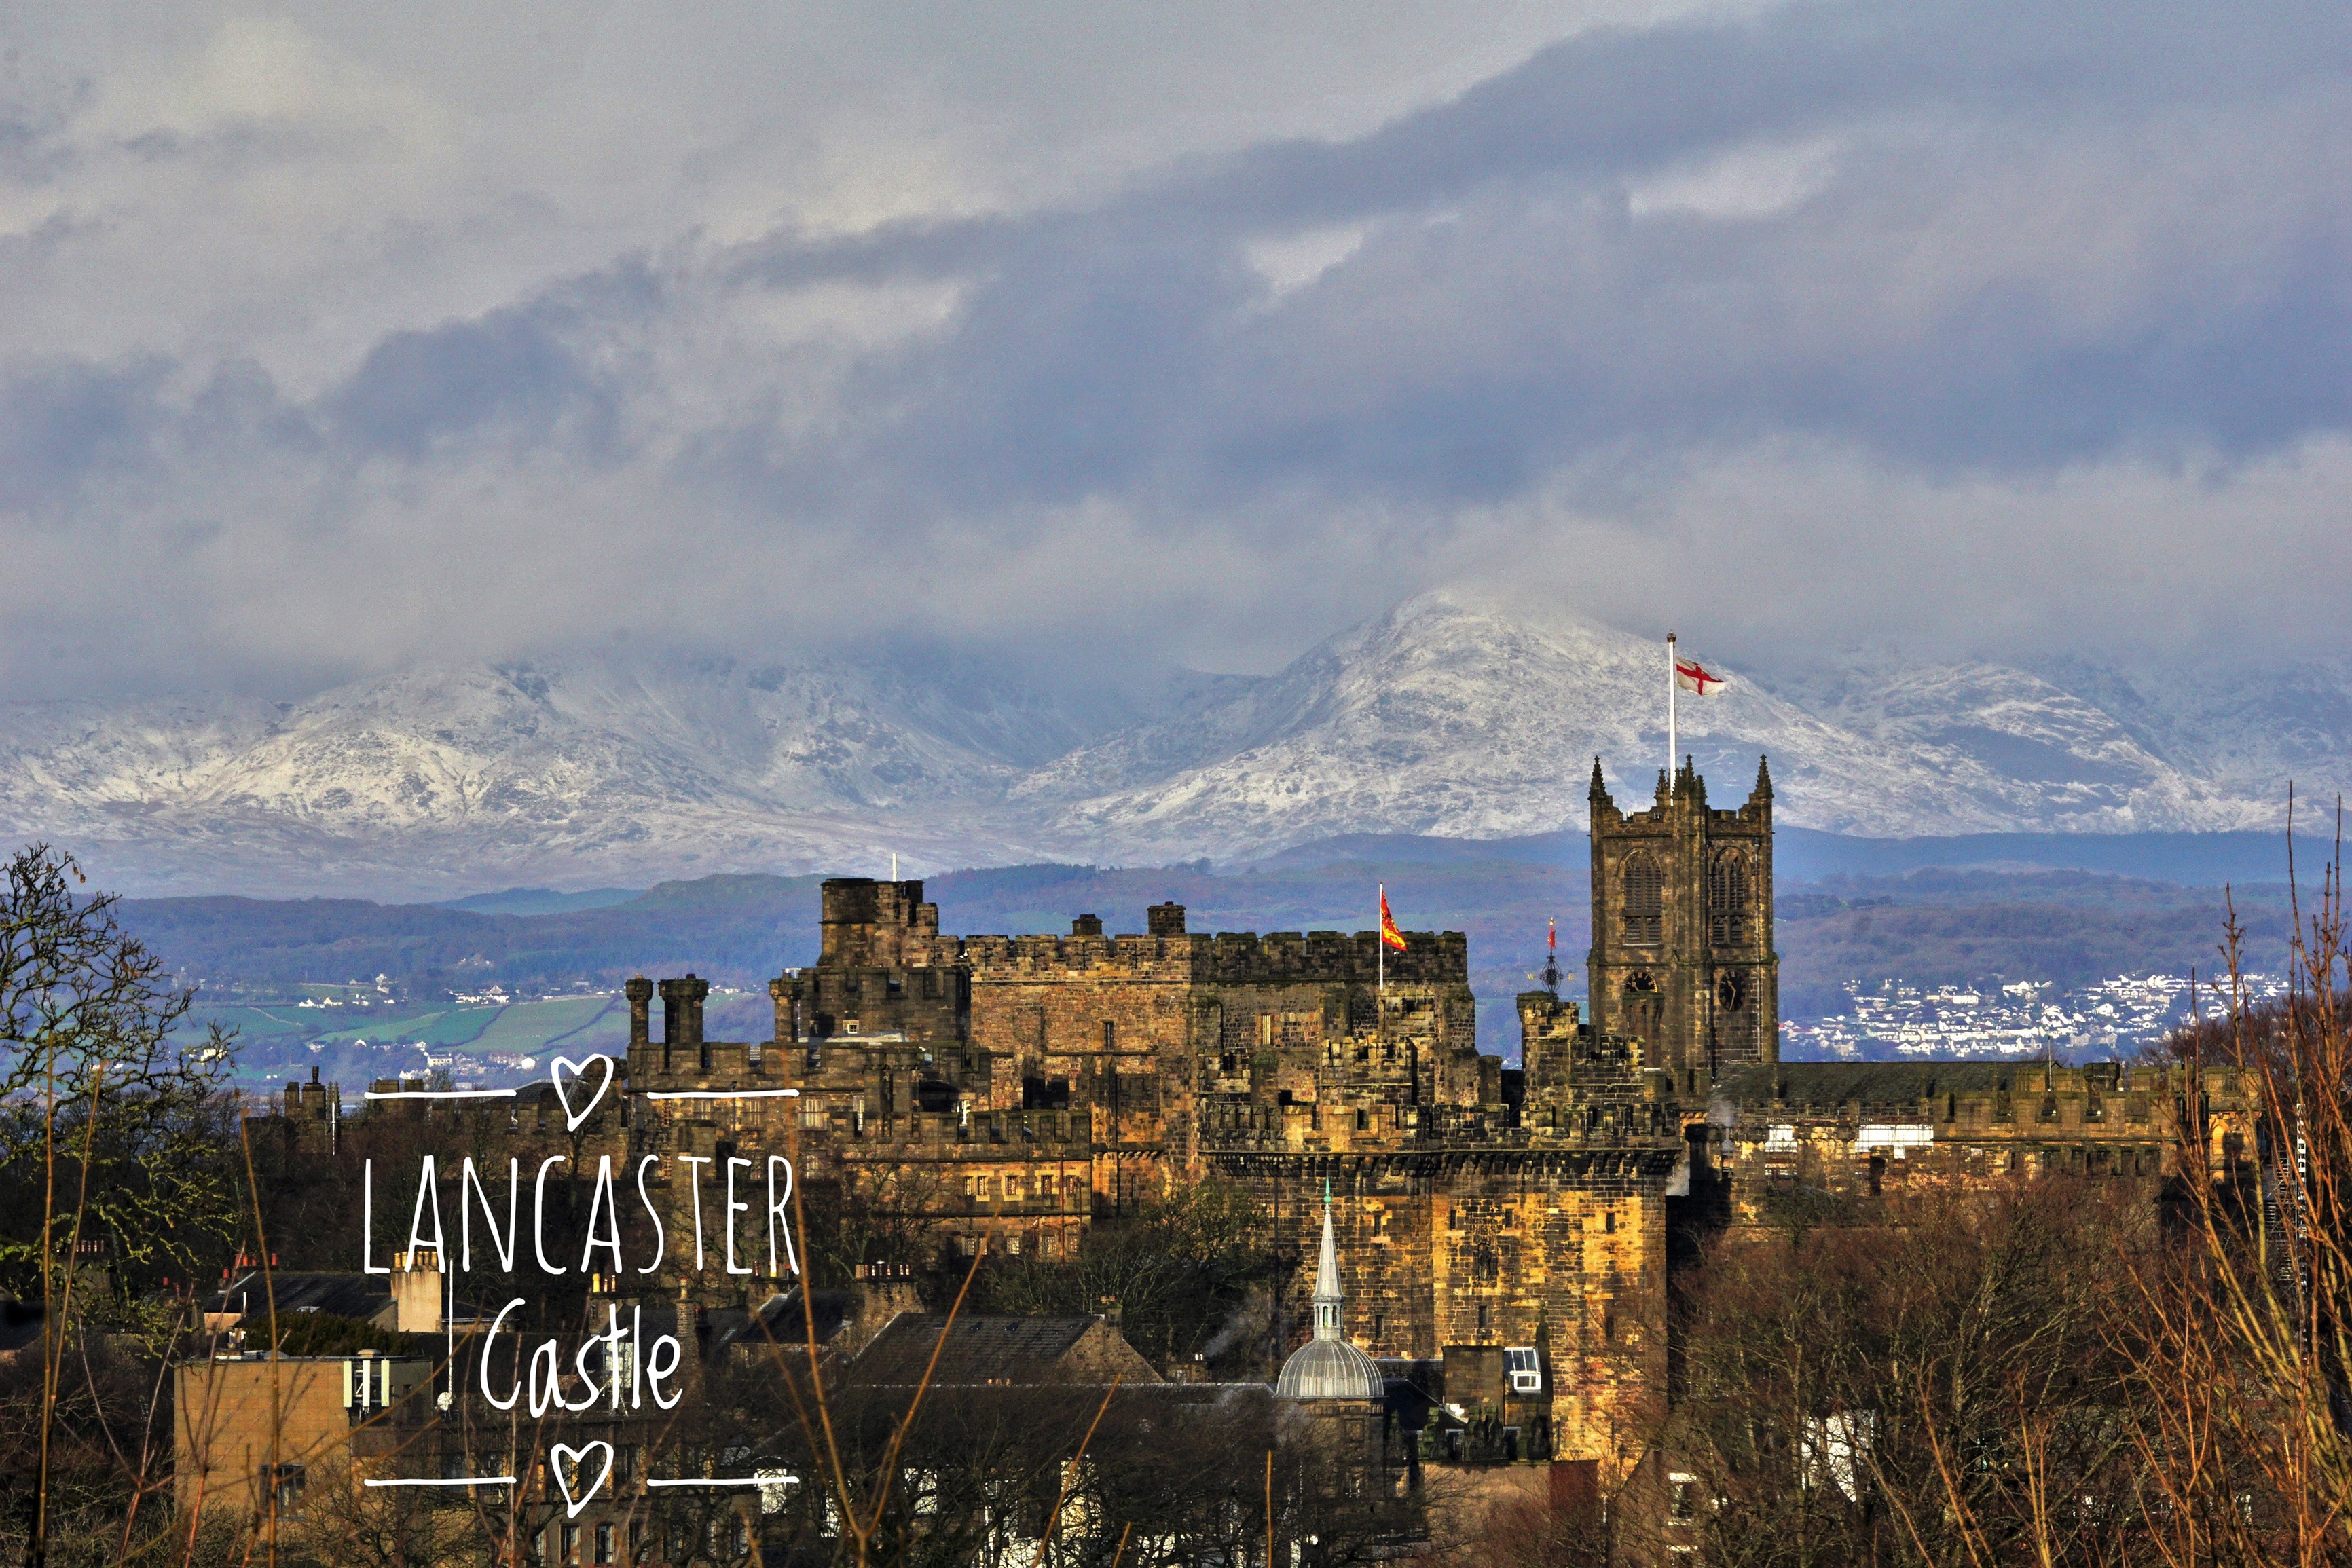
[
  {"x": 563, "y": 1065},
  {"x": 564, "y": 1454}
]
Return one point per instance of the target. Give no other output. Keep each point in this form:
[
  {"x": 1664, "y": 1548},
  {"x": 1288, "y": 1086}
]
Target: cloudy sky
[{"x": 332, "y": 337}]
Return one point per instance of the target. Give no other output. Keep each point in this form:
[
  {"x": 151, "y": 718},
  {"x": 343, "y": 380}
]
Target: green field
[{"x": 353, "y": 1045}]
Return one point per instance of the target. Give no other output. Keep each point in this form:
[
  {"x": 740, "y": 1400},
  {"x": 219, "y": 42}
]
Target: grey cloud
[
  {"x": 1508, "y": 313},
  {"x": 62, "y": 420},
  {"x": 2042, "y": 242},
  {"x": 523, "y": 373}
]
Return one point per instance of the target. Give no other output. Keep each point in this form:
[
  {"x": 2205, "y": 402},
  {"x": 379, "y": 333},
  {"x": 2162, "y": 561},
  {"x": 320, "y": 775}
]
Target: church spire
[
  {"x": 1763, "y": 778},
  {"x": 1327, "y": 1295}
]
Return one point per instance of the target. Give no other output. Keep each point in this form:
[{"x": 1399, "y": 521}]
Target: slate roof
[
  {"x": 360, "y": 1296},
  {"x": 1012, "y": 1350},
  {"x": 1834, "y": 1083},
  {"x": 778, "y": 1321}
]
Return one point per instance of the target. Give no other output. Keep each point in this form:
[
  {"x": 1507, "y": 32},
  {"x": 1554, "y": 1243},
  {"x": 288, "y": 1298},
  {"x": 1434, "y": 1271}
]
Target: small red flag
[{"x": 1389, "y": 932}]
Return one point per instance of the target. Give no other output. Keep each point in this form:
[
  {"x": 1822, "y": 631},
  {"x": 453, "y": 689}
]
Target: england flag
[{"x": 1692, "y": 677}]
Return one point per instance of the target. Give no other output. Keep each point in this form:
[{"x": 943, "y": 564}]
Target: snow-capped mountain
[
  {"x": 641, "y": 768},
  {"x": 1450, "y": 713}
]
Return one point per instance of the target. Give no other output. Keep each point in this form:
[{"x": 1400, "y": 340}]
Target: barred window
[{"x": 1644, "y": 900}]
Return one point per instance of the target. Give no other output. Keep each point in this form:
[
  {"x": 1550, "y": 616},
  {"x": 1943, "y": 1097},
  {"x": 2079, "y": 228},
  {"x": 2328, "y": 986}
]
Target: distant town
[
  {"x": 2114, "y": 1019},
  {"x": 1892, "y": 1020}
]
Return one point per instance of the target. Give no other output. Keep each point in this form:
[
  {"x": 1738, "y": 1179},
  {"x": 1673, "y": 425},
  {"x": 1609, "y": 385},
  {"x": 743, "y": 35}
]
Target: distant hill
[
  {"x": 1929, "y": 925},
  {"x": 540, "y": 900}
]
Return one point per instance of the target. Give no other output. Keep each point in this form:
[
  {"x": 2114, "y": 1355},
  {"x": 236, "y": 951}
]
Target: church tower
[{"x": 1681, "y": 928}]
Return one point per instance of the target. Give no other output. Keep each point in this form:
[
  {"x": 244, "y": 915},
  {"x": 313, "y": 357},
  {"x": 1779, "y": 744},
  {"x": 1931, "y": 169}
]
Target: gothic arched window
[
  {"x": 1726, "y": 899},
  {"x": 1644, "y": 900}
]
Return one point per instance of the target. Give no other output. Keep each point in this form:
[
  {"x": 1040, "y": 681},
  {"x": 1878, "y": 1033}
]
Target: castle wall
[{"x": 1781, "y": 1134}]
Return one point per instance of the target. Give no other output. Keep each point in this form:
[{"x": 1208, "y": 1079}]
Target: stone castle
[{"x": 1508, "y": 1231}]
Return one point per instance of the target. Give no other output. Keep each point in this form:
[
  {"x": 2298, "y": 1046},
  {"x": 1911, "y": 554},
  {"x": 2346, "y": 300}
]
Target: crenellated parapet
[{"x": 1864, "y": 1130}]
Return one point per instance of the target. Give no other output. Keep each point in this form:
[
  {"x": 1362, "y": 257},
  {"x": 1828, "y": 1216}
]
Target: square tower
[{"x": 1681, "y": 928}]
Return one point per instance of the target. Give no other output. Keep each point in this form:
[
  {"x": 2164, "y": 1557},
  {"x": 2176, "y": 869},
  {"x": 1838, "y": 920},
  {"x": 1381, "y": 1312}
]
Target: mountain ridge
[{"x": 1450, "y": 714}]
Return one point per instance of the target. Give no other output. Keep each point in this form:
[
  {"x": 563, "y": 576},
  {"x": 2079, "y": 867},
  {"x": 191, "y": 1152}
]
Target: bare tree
[{"x": 111, "y": 1154}]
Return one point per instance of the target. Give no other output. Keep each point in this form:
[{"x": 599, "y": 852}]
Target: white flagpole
[
  {"x": 1674, "y": 747},
  {"x": 1380, "y": 938}
]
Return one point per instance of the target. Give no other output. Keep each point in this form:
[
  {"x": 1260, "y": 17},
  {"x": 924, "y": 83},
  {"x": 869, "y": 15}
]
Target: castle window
[
  {"x": 1644, "y": 900},
  {"x": 284, "y": 1484},
  {"x": 1726, "y": 900},
  {"x": 1110, "y": 1035}
]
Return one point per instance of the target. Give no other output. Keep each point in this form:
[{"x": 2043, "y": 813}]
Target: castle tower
[{"x": 1681, "y": 926}]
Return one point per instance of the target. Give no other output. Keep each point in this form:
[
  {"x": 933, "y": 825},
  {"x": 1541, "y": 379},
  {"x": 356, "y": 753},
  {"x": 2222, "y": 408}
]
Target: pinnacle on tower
[
  {"x": 1599, "y": 790},
  {"x": 1327, "y": 1295},
  {"x": 1763, "y": 790},
  {"x": 1688, "y": 784}
]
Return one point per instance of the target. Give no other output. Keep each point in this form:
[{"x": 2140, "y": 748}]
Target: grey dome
[{"x": 1330, "y": 1369}]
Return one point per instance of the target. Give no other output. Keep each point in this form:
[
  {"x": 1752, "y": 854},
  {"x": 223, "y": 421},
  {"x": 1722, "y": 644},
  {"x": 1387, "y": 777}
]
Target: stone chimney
[
  {"x": 416, "y": 1284},
  {"x": 640, "y": 992},
  {"x": 682, "y": 1015},
  {"x": 1166, "y": 919}
]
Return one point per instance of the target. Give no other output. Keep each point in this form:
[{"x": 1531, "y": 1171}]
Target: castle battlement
[{"x": 1002, "y": 1092}]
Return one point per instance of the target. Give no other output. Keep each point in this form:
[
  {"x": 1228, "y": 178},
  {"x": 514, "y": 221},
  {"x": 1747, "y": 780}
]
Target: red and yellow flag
[{"x": 1390, "y": 935}]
